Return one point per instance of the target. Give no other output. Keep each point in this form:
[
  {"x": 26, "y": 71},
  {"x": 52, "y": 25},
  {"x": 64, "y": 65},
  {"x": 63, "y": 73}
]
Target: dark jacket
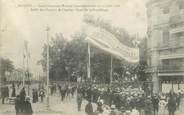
[
  {"x": 148, "y": 106},
  {"x": 28, "y": 108},
  {"x": 22, "y": 95},
  {"x": 172, "y": 104},
  {"x": 17, "y": 104},
  {"x": 89, "y": 109},
  {"x": 13, "y": 92},
  {"x": 155, "y": 102}
]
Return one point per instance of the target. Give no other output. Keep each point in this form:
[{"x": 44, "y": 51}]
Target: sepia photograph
[{"x": 91, "y": 57}]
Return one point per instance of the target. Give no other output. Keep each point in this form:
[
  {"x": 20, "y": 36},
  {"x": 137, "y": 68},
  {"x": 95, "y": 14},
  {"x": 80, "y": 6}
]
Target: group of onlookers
[
  {"x": 23, "y": 104},
  {"x": 21, "y": 100},
  {"x": 36, "y": 94},
  {"x": 67, "y": 90},
  {"x": 144, "y": 104},
  {"x": 109, "y": 100}
]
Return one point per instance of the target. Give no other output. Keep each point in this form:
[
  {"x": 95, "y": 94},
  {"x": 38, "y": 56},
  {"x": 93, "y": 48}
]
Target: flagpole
[
  {"x": 47, "y": 97},
  {"x": 24, "y": 72},
  {"x": 89, "y": 62},
  {"x": 24, "y": 62},
  {"x": 111, "y": 70},
  {"x": 27, "y": 68},
  {"x": 27, "y": 64}
]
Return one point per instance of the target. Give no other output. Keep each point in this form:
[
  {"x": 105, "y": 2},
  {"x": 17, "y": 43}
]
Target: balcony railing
[
  {"x": 171, "y": 68},
  {"x": 176, "y": 19},
  {"x": 165, "y": 69},
  {"x": 174, "y": 43}
]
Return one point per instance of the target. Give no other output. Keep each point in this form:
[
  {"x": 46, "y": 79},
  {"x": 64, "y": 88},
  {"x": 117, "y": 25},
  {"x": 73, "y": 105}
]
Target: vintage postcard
[{"x": 91, "y": 57}]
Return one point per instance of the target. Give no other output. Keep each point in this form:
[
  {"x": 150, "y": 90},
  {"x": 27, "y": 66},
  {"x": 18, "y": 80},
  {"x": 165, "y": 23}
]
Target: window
[
  {"x": 181, "y": 8},
  {"x": 165, "y": 36},
  {"x": 181, "y": 5},
  {"x": 165, "y": 63},
  {"x": 165, "y": 10},
  {"x": 176, "y": 63},
  {"x": 149, "y": 61}
]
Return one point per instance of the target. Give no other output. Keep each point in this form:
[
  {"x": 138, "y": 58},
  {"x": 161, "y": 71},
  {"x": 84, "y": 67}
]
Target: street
[{"x": 67, "y": 107}]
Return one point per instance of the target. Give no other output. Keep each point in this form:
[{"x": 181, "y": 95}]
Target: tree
[
  {"x": 6, "y": 66},
  {"x": 76, "y": 55},
  {"x": 56, "y": 54},
  {"x": 68, "y": 59}
]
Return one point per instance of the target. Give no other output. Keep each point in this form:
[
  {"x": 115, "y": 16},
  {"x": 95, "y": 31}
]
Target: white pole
[
  {"x": 111, "y": 71},
  {"x": 24, "y": 72},
  {"x": 27, "y": 56},
  {"x": 89, "y": 62},
  {"x": 47, "y": 30}
]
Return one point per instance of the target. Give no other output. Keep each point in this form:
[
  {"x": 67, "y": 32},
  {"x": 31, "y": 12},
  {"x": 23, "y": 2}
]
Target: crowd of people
[
  {"x": 22, "y": 104},
  {"x": 67, "y": 90},
  {"x": 109, "y": 99},
  {"x": 21, "y": 101},
  {"x": 131, "y": 102}
]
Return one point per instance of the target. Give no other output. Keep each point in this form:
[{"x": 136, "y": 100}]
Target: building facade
[{"x": 165, "y": 43}]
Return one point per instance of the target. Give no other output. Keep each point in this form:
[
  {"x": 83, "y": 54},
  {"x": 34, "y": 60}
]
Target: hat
[
  {"x": 27, "y": 98},
  {"x": 101, "y": 101},
  {"x": 128, "y": 111},
  {"x": 113, "y": 106},
  {"x": 149, "y": 97}
]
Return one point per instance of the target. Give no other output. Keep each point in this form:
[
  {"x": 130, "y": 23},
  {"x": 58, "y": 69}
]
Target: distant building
[
  {"x": 165, "y": 44},
  {"x": 15, "y": 76},
  {"x": 18, "y": 75}
]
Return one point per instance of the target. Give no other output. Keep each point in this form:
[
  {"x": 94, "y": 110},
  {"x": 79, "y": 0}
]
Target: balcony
[
  {"x": 168, "y": 71},
  {"x": 172, "y": 44},
  {"x": 176, "y": 19},
  {"x": 171, "y": 69}
]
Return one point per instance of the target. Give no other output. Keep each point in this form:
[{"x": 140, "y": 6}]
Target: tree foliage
[
  {"x": 6, "y": 65},
  {"x": 68, "y": 59}
]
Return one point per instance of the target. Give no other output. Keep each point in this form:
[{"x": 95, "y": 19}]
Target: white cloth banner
[{"x": 104, "y": 40}]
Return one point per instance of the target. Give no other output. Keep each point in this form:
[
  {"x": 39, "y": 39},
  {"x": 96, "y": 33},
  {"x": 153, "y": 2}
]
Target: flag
[
  {"x": 107, "y": 42},
  {"x": 26, "y": 52}
]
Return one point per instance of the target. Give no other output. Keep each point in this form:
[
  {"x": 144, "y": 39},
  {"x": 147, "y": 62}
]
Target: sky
[{"x": 19, "y": 23}]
